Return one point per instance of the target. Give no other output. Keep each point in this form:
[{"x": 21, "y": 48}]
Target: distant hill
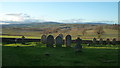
[
  {"x": 42, "y": 24},
  {"x": 94, "y": 23},
  {"x": 51, "y": 23},
  {"x": 32, "y": 25}
]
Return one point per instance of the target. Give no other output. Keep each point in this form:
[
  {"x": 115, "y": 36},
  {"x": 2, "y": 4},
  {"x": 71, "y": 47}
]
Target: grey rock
[
  {"x": 114, "y": 41},
  {"x": 50, "y": 41},
  {"x": 94, "y": 41},
  {"x": 78, "y": 46},
  {"x": 58, "y": 41},
  {"x": 108, "y": 41},
  {"x": 68, "y": 40},
  {"x": 44, "y": 39},
  {"x": 101, "y": 41}
]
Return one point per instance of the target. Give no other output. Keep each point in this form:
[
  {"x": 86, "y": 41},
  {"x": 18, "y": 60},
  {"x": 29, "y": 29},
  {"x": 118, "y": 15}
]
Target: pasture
[
  {"x": 37, "y": 54},
  {"x": 34, "y": 54},
  {"x": 75, "y": 30}
]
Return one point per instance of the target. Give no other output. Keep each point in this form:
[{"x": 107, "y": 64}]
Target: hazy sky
[{"x": 55, "y": 11}]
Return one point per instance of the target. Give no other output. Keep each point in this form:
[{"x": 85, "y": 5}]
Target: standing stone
[
  {"x": 44, "y": 39},
  {"x": 114, "y": 41},
  {"x": 94, "y": 41},
  {"x": 50, "y": 41},
  {"x": 68, "y": 40},
  {"x": 16, "y": 40},
  {"x": 58, "y": 41},
  {"x": 101, "y": 41},
  {"x": 23, "y": 39},
  {"x": 78, "y": 45},
  {"x": 108, "y": 41},
  {"x": 61, "y": 35}
]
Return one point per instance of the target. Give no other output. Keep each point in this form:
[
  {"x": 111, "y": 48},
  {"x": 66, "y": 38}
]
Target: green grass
[
  {"x": 30, "y": 37},
  {"x": 104, "y": 55},
  {"x": 109, "y": 33}
]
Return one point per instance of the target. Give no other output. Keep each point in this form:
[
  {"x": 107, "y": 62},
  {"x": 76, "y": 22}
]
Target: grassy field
[
  {"x": 30, "y": 37},
  {"x": 90, "y": 34},
  {"x": 33, "y": 54}
]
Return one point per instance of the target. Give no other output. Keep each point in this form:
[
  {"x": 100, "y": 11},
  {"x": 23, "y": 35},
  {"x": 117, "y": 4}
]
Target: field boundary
[{"x": 19, "y": 40}]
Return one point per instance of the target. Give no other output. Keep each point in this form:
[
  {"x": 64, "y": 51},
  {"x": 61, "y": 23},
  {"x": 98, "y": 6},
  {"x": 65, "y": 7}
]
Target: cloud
[
  {"x": 19, "y": 15},
  {"x": 10, "y": 18},
  {"x": 85, "y": 21},
  {"x": 106, "y": 21},
  {"x": 14, "y": 14},
  {"x": 25, "y": 18},
  {"x": 14, "y": 17},
  {"x": 3, "y": 23},
  {"x": 72, "y": 20}
]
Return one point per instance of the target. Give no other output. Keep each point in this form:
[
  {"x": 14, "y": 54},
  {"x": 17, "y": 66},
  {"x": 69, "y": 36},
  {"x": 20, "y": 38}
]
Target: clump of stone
[
  {"x": 44, "y": 39},
  {"x": 68, "y": 40},
  {"x": 114, "y": 41},
  {"x": 23, "y": 39},
  {"x": 58, "y": 41},
  {"x": 107, "y": 41},
  {"x": 61, "y": 35},
  {"x": 50, "y": 41},
  {"x": 94, "y": 41},
  {"x": 101, "y": 41},
  {"x": 78, "y": 46}
]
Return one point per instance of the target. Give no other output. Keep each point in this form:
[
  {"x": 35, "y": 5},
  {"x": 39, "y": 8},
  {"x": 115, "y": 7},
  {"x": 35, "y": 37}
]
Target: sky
[{"x": 60, "y": 11}]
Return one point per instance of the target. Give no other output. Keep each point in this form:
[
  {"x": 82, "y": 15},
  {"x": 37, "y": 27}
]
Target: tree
[{"x": 99, "y": 31}]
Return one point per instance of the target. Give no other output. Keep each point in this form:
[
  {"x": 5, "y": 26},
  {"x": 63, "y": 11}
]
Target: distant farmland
[{"x": 85, "y": 31}]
